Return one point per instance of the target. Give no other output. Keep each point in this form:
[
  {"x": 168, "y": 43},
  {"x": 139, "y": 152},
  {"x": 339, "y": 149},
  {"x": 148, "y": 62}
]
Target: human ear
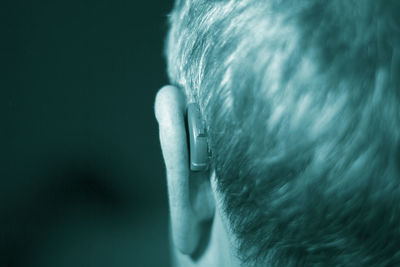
[{"x": 190, "y": 195}]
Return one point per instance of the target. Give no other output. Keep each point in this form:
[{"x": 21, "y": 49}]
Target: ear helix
[{"x": 198, "y": 155}]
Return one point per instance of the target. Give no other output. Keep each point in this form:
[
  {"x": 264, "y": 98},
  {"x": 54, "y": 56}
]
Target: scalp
[{"x": 301, "y": 100}]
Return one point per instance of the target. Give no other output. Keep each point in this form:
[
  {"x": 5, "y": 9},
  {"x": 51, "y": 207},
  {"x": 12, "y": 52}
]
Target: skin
[{"x": 200, "y": 234}]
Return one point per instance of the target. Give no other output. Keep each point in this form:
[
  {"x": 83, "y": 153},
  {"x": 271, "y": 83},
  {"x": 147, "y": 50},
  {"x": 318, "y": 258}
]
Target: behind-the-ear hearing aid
[{"x": 198, "y": 154}]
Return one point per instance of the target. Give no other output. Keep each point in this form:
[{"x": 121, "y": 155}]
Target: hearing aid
[{"x": 198, "y": 155}]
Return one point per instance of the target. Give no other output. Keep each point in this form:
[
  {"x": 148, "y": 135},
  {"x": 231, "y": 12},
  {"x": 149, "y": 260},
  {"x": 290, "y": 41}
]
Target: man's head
[{"x": 301, "y": 102}]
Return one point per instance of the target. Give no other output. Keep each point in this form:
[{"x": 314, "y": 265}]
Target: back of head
[{"x": 302, "y": 104}]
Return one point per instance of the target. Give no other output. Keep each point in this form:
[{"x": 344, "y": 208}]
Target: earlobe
[{"x": 190, "y": 195}]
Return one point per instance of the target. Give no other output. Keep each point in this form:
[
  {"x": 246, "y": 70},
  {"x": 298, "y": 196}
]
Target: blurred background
[{"x": 81, "y": 174}]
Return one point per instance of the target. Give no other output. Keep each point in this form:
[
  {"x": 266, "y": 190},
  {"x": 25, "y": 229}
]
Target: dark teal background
[{"x": 81, "y": 175}]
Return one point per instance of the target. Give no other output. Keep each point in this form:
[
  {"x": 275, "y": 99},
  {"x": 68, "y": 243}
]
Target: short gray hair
[{"x": 302, "y": 104}]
